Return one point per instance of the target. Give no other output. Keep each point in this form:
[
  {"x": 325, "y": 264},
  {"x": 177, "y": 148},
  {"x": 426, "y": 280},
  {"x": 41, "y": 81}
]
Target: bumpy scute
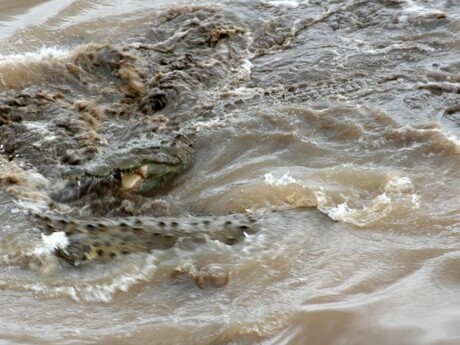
[{"x": 104, "y": 239}]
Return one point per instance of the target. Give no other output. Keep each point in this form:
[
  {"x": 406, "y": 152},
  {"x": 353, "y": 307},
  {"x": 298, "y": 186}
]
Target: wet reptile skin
[
  {"x": 104, "y": 239},
  {"x": 152, "y": 158},
  {"x": 123, "y": 120}
]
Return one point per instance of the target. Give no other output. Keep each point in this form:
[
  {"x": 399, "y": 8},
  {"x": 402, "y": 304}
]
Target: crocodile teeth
[
  {"x": 131, "y": 180},
  {"x": 143, "y": 170}
]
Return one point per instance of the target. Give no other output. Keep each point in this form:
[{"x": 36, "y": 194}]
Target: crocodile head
[{"x": 143, "y": 163}]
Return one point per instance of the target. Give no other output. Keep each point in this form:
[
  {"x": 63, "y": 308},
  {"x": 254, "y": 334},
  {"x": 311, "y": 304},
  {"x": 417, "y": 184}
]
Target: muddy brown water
[{"x": 337, "y": 123}]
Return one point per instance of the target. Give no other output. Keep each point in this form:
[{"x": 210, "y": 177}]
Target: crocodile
[
  {"x": 103, "y": 239},
  {"x": 111, "y": 123},
  {"x": 115, "y": 122}
]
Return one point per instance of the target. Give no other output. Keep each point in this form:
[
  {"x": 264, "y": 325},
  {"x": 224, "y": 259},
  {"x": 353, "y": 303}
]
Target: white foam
[
  {"x": 245, "y": 91},
  {"x": 415, "y": 199},
  {"x": 397, "y": 194},
  {"x": 245, "y": 69},
  {"x": 282, "y": 181},
  {"x": 411, "y": 7},
  {"x": 293, "y": 191},
  {"x": 379, "y": 208},
  {"x": 41, "y": 128},
  {"x": 340, "y": 212},
  {"x": 57, "y": 240},
  {"x": 45, "y": 53},
  {"x": 400, "y": 46},
  {"x": 413, "y": 10},
  {"x": 454, "y": 140},
  {"x": 282, "y": 3},
  {"x": 214, "y": 123},
  {"x": 396, "y": 184}
]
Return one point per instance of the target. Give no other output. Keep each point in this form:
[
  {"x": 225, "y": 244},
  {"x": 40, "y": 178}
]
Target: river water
[{"x": 337, "y": 123}]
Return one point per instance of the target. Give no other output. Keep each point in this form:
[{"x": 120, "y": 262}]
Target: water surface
[{"x": 336, "y": 123}]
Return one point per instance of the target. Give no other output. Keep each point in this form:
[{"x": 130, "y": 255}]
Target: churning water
[{"x": 335, "y": 123}]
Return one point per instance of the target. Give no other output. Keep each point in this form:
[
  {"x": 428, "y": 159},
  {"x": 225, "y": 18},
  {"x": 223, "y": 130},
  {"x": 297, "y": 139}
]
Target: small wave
[
  {"x": 81, "y": 287},
  {"x": 292, "y": 190},
  {"x": 434, "y": 136},
  {"x": 397, "y": 193},
  {"x": 397, "y": 184},
  {"x": 17, "y": 70},
  {"x": 45, "y": 53},
  {"x": 380, "y": 207}
]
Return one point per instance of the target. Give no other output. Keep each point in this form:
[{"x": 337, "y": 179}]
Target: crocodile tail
[
  {"x": 104, "y": 239},
  {"x": 50, "y": 223}
]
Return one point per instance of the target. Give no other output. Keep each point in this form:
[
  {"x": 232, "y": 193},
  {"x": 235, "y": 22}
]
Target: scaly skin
[
  {"x": 123, "y": 111},
  {"x": 144, "y": 163},
  {"x": 104, "y": 239}
]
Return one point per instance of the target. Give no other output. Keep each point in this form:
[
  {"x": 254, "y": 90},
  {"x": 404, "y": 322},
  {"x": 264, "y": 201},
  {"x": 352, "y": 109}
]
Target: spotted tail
[{"x": 104, "y": 239}]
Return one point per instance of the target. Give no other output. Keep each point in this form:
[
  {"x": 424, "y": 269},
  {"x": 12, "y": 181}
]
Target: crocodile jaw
[{"x": 149, "y": 177}]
